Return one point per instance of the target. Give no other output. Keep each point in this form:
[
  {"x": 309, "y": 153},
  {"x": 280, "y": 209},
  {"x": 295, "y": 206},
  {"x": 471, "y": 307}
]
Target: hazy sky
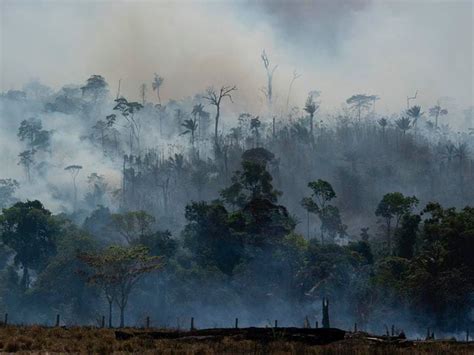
[{"x": 339, "y": 47}]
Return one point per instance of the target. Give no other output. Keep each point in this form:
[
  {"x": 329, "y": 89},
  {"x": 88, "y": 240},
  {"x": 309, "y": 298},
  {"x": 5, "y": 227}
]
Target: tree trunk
[
  {"x": 122, "y": 318},
  {"x": 216, "y": 140},
  {"x": 110, "y": 314}
]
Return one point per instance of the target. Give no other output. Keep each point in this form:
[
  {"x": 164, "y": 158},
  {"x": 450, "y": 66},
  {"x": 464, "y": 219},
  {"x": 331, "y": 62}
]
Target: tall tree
[
  {"x": 322, "y": 194},
  {"x": 361, "y": 102},
  {"x": 311, "y": 106},
  {"x": 270, "y": 71},
  {"x": 128, "y": 111},
  {"x": 394, "y": 206},
  {"x": 74, "y": 171},
  {"x": 215, "y": 99},
  {"x": 190, "y": 127},
  {"x": 156, "y": 86},
  {"x": 436, "y": 112},
  {"x": 27, "y": 160}
]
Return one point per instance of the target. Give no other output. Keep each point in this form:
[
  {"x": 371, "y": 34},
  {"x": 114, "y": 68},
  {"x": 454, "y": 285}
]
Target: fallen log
[{"x": 316, "y": 336}]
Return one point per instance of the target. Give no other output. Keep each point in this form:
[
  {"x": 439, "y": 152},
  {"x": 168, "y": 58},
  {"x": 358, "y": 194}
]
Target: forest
[{"x": 183, "y": 208}]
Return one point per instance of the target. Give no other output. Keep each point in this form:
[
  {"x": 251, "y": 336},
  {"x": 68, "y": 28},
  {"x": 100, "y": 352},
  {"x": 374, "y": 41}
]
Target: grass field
[{"x": 38, "y": 339}]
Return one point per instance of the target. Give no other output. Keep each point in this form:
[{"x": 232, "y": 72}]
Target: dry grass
[{"x": 37, "y": 339}]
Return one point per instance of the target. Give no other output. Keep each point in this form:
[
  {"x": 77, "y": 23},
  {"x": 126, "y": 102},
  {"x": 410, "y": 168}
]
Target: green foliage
[
  {"x": 32, "y": 132},
  {"x": 117, "y": 270},
  {"x": 252, "y": 182},
  {"x": 394, "y": 206},
  {"x": 132, "y": 225},
  {"x": 30, "y": 231}
]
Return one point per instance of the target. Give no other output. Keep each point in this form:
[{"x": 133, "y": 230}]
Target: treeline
[{"x": 239, "y": 255}]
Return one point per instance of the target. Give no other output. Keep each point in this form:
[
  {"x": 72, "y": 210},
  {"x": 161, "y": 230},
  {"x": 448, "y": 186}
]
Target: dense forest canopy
[{"x": 135, "y": 205}]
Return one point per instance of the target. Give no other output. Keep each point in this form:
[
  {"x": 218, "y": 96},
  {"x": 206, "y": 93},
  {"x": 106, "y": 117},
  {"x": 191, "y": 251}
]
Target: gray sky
[{"x": 340, "y": 47}]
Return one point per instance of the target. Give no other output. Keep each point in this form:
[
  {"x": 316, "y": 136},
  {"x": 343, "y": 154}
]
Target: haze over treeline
[{"x": 243, "y": 159}]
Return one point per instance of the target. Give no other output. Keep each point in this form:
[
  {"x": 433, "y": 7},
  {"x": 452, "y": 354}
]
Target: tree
[
  {"x": 190, "y": 128},
  {"x": 96, "y": 87},
  {"x": 133, "y": 225},
  {"x": 403, "y": 124},
  {"x": 30, "y": 231},
  {"x": 117, "y": 271},
  {"x": 253, "y": 181},
  {"x": 294, "y": 77},
  {"x": 32, "y": 132},
  {"x": 361, "y": 102},
  {"x": 406, "y": 236},
  {"x": 436, "y": 112},
  {"x": 394, "y": 205},
  {"x": 311, "y": 107},
  {"x": 322, "y": 193},
  {"x": 156, "y": 85},
  {"x": 270, "y": 71},
  {"x": 74, "y": 171},
  {"x": 143, "y": 90},
  {"x": 383, "y": 122},
  {"x": 7, "y": 190},
  {"x": 215, "y": 99},
  {"x": 128, "y": 111},
  {"x": 254, "y": 126},
  {"x": 197, "y": 113},
  {"x": 208, "y": 235},
  {"x": 27, "y": 160},
  {"x": 415, "y": 113}
]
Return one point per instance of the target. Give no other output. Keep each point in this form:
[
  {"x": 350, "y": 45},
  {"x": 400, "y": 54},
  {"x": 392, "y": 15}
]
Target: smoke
[{"x": 340, "y": 47}]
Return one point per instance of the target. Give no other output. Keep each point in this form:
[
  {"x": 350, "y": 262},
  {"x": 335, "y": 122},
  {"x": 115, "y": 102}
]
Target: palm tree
[
  {"x": 197, "y": 113},
  {"x": 311, "y": 107},
  {"x": 383, "y": 122},
  {"x": 156, "y": 84},
  {"x": 404, "y": 124},
  {"x": 436, "y": 112},
  {"x": 415, "y": 113},
  {"x": 191, "y": 127}
]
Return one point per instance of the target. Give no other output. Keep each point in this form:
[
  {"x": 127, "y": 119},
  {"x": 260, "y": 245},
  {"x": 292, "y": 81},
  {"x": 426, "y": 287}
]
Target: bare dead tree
[
  {"x": 143, "y": 91},
  {"x": 270, "y": 71},
  {"x": 411, "y": 98},
  {"x": 295, "y": 76},
  {"x": 215, "y": 98}
]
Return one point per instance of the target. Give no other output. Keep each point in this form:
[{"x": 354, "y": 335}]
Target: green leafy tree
[
  {"x": 30, "y": 231},
  {"x": 393, "y": 207},
  {"x": 322, "y": 194},
  {"x": 208, "y": 235},
  {"x": 117, "y": 270},
  {"x": 253, "y": 181},
  {"x": 133, "y": 226}
]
